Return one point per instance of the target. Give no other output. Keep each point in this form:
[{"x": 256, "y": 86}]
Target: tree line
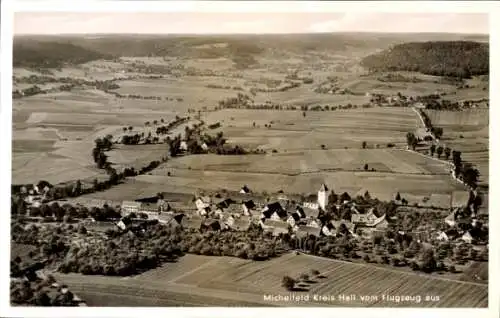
[{"x": 461, "y": 59}]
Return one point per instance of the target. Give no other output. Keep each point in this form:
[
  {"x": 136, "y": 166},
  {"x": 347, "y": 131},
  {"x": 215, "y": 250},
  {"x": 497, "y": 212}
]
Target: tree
[
  {"x": 457, "y": 159},
  {"x": 471, "y": 176},
  {"x": 42, "y": 299},
  {"x": 367, "y": 196},
  {"x": 315, "y": 272},
  {"x": 410, "y": 139},
  {"x": 447, "y": 152},
  {"x": 433, "y": 149},
  {"x": 438, "y": 132},
  {"x": 288, "y": 283},
  {"x": 439, "y": 151},
  {"x": 398, "y": 197},
  {"x": 363, "y": 145},
  {"x": 365, "y": 167},
  {"x": 428, "y": 261}
]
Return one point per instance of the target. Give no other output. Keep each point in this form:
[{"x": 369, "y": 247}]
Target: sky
[{"x": 245, "y": 22}]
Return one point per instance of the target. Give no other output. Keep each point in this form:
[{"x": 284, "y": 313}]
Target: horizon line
[{"x": 245, "y": 33}]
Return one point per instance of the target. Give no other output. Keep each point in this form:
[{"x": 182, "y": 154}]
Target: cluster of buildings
[
  {"x": 285, "y": 216},
  {"x": 461, "y": 226}
]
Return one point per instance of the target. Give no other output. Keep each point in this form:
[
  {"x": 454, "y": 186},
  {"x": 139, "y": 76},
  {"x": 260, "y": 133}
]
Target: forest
[
  {"x": 461, "y": 59},
  {"x": 35, "y": 54}
]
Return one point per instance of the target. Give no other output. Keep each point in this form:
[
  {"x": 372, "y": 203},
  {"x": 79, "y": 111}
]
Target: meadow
[{"x": 205, "y": 281}]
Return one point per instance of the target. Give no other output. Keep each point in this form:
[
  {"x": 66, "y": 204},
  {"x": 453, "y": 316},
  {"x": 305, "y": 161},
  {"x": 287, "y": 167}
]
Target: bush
[{"x": 288, "y": 283}]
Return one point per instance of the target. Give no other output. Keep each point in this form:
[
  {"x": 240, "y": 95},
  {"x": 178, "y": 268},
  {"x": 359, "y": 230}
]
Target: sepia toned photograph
[{"x": 250, "y": 159}]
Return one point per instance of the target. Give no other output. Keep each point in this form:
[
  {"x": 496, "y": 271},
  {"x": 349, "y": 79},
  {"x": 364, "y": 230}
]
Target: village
[{"x": 324, "y": 214}]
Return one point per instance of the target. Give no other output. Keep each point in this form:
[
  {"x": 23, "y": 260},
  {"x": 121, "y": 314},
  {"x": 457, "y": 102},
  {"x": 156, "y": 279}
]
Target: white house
[
  {"x": 311, "y": 205},
  {"x": 244, "y": 189},
  {"x": 202, "y": 203},
  {"x": 130, "y": 207},
  {"x": 121, "y": 225},
  {"x": 204, "y": 211},
  {"x": 467, "y": 238},
  {"x": 323, "y": 196},
  {"x": 450, "y": 219},
  {"x": 183, "y": 146},
  {"x": 293, "y": 219},
  {"x": 328, "y": 230},
  {"x": 248, "y": 207},
  {"x": 312, "y": 223},
  {"x": 228, "y": 220},
  {"x": 442, "y": 236}
]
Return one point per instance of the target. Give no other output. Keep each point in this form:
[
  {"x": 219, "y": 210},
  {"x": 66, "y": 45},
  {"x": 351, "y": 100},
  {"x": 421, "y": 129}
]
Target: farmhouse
[
  {"x": 467, "y": 238},
  {"x": 311, "y": 205},
  {"x": 275, "y": 227},
  {"x": 364, "y": 219},
  {"x": 206, "y": 211},
  {"x": 328, "y": 230},
  {"x": 312, "y": 223},
  {"x": 183, "y": 146},
  {"x": 310, "y": 213},
  {"x": 293, "y": 219},
  {"x": 130, "y": 207},
  {"x": 241, "y": 224},
  {"x": 248, "y": 207},
  {"x": 442, "y": 236},
  {"x": 227, "y": 219},
  {"x": 273, "y": 210},
  {"x": 245, "y": 189},
  {"x": 451, "y": 219},
  {"x": 300, "y": 211},
  {"x": 224, "y": 203},
  {"x": 306, "y": 231},
  {"x": 193, "y": 223},
  {"x": 202, "y": 203},
  {"x": 212, "y": 225},
  {"x": 343, "y": 227}
]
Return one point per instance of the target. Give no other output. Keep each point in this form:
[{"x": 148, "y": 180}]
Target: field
[
  {"x": 468, "y": 132},
  {"x": 204, "y": 281}
]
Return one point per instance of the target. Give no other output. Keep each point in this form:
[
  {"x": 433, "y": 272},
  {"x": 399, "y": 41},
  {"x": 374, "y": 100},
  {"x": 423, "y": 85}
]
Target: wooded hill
[
  {"x": 447, "y": 58},
  {"x": 52, "y": 54}
]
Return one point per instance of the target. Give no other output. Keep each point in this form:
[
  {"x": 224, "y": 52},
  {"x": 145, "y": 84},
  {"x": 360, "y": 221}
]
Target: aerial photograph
[{"x": 204, "y": 159}]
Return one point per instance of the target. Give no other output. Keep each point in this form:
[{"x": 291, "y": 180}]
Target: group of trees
[
  {"x": 439, "y": 151},
  {"x": 51, "y": 54},
  {"x": 240, "y": 101},
  {"x": 135, "y": 139},
  {"x": 411, "y": 140},
  {"x": 463, "y": 171},
  {"x": 67, "y": 212},
  {"x": 436, "y": 131},
  {"x": 68, "y": 84},
  {"x": 40, "y": 293},
  {"x": 101, "y": 145},
  {"x": 461, "y": 59},
  {"x": 126, "y": 253}
]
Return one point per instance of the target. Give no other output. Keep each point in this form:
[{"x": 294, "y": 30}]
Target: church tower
[{"x": 323, "y": 196}]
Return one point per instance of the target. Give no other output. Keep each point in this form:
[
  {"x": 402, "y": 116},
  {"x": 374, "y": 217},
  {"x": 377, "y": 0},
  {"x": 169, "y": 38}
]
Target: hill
[
  {"x": 442, "y": 58},
  {"x": 51, "y": 54}
]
